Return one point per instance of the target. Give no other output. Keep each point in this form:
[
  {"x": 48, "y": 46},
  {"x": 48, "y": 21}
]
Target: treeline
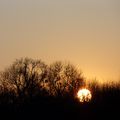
[
  {"x": 27, "y": 78},
  {"x": 32, "y": 89}
]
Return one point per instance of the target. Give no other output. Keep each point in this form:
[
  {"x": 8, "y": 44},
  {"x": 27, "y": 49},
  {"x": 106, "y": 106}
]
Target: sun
[{"x": 84, "y": 95}]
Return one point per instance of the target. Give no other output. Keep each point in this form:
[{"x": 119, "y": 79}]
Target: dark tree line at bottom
[{"x": 31, "y": 89}]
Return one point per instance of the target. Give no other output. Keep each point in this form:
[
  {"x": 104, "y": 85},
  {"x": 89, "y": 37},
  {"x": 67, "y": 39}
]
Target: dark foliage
[{"x": 30, "y": 89}]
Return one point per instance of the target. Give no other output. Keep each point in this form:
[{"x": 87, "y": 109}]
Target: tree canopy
[{"x": 27, "y": 78}]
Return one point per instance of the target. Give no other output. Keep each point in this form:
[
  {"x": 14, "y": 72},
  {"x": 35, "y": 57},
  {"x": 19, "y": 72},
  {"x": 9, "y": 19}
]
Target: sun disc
[{"x": 84, "y": 95}]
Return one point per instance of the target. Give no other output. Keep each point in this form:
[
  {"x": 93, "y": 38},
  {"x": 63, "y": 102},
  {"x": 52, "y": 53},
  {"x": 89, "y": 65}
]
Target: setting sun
[{"x": 84, "y": 95}]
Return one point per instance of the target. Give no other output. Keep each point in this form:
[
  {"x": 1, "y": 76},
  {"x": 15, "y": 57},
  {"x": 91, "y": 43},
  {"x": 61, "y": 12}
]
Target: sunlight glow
[{"x": 84, "y": 95}]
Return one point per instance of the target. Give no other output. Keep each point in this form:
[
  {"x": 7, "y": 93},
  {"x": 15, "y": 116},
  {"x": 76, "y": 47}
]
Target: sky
[{"x": 83, "y": 32}]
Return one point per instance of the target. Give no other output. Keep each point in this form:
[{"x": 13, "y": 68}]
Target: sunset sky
[{"x": 83, "y": 32}]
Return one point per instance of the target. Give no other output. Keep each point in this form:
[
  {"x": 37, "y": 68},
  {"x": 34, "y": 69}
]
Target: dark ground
[{"x": 49, "y": 108}]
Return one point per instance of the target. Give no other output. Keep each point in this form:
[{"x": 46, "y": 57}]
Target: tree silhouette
[
  {"x": 24, "y": 84},
  {"x": 54, "y": 78},
  {"x": 74, "y": 78},
  {"x": 25, "y": 76},
  {"x": 64, "y": 79}
]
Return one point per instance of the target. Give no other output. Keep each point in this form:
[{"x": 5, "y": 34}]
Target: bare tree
[
  {"x": 28, "y": 78},
  {"x": 25, "y": 76},
  {"x": 54, "y": 77},
  {"x": 64, "y": 78},
  {"x": 73, "y": 77}
]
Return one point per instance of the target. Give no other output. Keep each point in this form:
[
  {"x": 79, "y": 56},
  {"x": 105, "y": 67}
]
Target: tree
[
  {"x": 64, "y": 79},
  {"x": 25, "y": 76},
  {"x": 54, "y": 78},
  {"x": 74, "y": 79},
  {"x": 28, "y": 78}
]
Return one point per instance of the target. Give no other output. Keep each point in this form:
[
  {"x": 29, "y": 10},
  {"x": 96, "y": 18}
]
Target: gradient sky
[{"x": 84, "y": 32}]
